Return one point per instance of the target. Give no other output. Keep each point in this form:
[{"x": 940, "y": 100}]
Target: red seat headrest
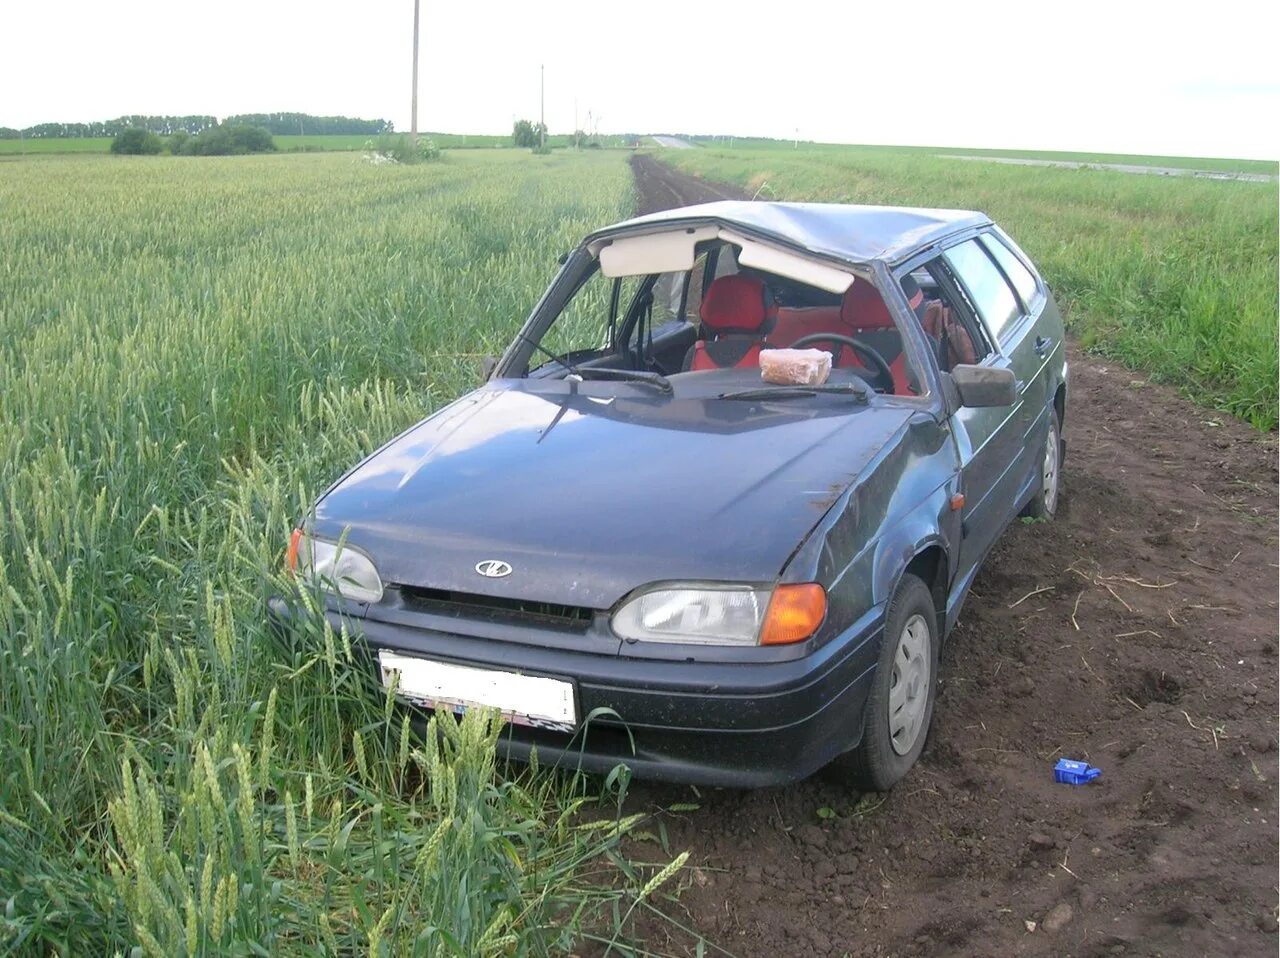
[
  {"x": 915, "y": 295},
  {"x": 734, "y": 304},
  {"x": 864, "y": 308}
]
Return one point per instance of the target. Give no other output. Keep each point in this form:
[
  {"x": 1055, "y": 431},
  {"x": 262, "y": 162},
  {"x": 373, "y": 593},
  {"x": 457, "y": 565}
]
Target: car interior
[
  {"x": 720, "y": 315},
  {"x": 953, "y": 333}
]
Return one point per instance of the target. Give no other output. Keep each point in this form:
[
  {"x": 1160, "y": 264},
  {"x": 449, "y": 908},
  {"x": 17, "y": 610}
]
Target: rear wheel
[
  {"x": 1045, "y": 502},
  {"x": 900, "y": 705}
]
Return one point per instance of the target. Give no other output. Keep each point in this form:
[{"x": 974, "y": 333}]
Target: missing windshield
[{"x": 733, "y": 302}]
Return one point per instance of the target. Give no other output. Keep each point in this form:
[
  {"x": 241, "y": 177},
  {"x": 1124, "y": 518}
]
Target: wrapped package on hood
[{"x": 795, "y": 367}]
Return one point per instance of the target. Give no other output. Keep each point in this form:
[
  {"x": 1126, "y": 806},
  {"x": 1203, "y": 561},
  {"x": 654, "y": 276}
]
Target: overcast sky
[{"x": 1116, "y": 76}]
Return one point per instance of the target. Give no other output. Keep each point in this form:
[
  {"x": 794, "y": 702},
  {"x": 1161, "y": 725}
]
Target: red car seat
[
  {"x": 864, "y": 312},
  {"x": 950, "y": 340},
  {"x": 924, "y": 311},
  {"x": 792, "y": 322},
  {"x": 735, "y": 321}
]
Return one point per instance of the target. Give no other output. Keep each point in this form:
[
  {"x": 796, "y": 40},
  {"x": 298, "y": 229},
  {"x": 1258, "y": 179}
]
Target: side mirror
[
  {"x": 487, "y": 365},
  {"x": 985, "y": 385}
]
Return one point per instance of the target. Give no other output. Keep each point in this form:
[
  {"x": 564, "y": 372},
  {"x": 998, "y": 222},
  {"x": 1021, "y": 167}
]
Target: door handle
[{"x": 1044, "y": 345}]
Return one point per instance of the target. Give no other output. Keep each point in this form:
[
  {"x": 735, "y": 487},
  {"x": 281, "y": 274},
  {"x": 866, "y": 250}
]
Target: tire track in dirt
[{"x": 1138, "y": 631}]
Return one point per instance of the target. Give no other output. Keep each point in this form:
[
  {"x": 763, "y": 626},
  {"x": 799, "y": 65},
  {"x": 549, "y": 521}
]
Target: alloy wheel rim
[
  {"x": 1051, "y": 471},
  {"x": 909, "y": 684}
]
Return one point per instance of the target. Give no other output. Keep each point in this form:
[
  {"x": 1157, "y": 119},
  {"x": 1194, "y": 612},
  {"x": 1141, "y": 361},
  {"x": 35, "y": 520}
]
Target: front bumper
[{"x": 733, "y": 724}]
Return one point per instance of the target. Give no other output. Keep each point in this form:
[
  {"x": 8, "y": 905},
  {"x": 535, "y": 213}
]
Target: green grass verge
[
  {"x": 1175, "y": 276},
  {"x": 189, "y": 351},
  {"x": 452, "y": 141},
  {"x": 70, "y": 144},
  {"x": 1216, "y": 164}
]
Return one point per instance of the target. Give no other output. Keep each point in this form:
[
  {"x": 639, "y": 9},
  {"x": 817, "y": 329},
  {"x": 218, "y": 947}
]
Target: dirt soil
[{"x": 1137, "y": 631}]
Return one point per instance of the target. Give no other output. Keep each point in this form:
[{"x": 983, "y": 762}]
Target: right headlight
[
  {"x": 712, "y": 614},
  {"x": 336, "y": 567}
]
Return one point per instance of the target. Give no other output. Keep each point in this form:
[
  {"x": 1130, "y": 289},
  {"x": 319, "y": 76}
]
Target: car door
[
  {"x": 1031, "y": 345},
  {"x": 990, "y": 439}
]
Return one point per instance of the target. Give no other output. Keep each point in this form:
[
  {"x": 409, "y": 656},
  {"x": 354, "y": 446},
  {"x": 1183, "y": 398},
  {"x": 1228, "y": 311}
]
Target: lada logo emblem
[{"x": 493, "y": 568}]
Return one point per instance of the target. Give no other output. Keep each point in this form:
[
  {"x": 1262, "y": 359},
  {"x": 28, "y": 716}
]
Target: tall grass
[
  {"x": 188, "y": 352},
  {"x": 1172, "y": 275}
]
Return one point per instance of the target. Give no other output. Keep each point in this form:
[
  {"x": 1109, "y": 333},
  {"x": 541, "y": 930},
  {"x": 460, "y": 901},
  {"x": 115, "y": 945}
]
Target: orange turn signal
[
  {"x": 291, "y": 557},
  {"x": 794, "y": 613}
]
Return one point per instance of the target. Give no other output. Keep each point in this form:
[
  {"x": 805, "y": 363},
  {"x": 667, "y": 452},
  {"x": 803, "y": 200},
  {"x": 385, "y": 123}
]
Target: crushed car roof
[{"x": 857, "y": 234}]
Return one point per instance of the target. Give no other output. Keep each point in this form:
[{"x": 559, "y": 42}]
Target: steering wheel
[{"x": 883, "y": 375}]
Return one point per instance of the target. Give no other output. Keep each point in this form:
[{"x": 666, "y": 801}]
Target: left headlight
[
  {"x": 337, "y": 567},
  {"x": 698, "y": 614}
]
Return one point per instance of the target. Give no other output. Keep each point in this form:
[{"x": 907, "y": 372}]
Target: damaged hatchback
[{"x": 715, "y": 508}]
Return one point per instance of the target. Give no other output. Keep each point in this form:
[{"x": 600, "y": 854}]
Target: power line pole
[
  {"x": 413, "y": 117},
  {"x": 542, "y": 104}
]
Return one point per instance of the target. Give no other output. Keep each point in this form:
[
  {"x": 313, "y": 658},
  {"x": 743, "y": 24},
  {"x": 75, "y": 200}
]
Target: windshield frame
[
  {"x": 516, "y": 359},
  {"x": 581, "y": 265}
]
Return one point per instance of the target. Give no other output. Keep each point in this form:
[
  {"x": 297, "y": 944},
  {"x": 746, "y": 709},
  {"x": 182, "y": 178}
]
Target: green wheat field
[
  {"x": 189, "y": 352},
  {"x": 192, "y": 348}
]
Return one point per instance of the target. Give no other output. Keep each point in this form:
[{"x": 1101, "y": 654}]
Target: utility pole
[
  {"x": 542, "y": 104},
  {"x": 413, "y": 116}
]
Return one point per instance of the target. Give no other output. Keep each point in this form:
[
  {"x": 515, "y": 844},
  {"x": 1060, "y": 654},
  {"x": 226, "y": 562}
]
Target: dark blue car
[{"x": 641, "y": 551}]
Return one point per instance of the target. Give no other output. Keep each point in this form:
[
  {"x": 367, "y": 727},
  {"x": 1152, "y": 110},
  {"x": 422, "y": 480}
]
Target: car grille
[{"x": 464, "y": 605}]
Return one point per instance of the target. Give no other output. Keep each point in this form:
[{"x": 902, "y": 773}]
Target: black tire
[
  {"x": 876, "y": 764},
  {"x": 1044, "y": 504}
]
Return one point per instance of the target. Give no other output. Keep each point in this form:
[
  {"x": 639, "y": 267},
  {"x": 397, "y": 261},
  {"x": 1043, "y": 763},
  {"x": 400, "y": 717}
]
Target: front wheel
[
  {"x": 1044, "y": 504},
  {"x": 900, "y": 705}
]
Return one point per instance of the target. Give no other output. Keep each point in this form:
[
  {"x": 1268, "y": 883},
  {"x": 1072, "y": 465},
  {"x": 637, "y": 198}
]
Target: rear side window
[
  {"x": 1018, "y": 274},
  {"x": 986, "y": 285}
]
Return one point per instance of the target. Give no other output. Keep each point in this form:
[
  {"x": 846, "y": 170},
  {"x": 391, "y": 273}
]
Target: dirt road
[{"x": 1137, "y": 631}]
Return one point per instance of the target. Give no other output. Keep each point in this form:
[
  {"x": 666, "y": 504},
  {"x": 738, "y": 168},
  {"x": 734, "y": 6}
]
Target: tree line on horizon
[
  {"x": 277, "y": 124},
  {"x": 225, "y": 139}
]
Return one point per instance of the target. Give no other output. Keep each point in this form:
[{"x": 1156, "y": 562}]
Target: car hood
[{"x": 588, "y": 497}]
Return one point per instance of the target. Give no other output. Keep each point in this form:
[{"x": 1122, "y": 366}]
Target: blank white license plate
[{"x": 522, "y": 699}]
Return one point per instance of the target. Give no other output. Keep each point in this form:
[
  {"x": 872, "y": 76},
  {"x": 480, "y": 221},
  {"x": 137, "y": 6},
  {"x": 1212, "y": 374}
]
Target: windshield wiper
[
  {"x": 626, "y": 375},
  {"x": 787, "y": 392}
]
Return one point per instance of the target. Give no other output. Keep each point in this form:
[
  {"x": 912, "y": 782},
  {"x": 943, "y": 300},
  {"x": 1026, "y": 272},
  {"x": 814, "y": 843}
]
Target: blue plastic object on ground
[{"x": 1070, "y": 772}]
